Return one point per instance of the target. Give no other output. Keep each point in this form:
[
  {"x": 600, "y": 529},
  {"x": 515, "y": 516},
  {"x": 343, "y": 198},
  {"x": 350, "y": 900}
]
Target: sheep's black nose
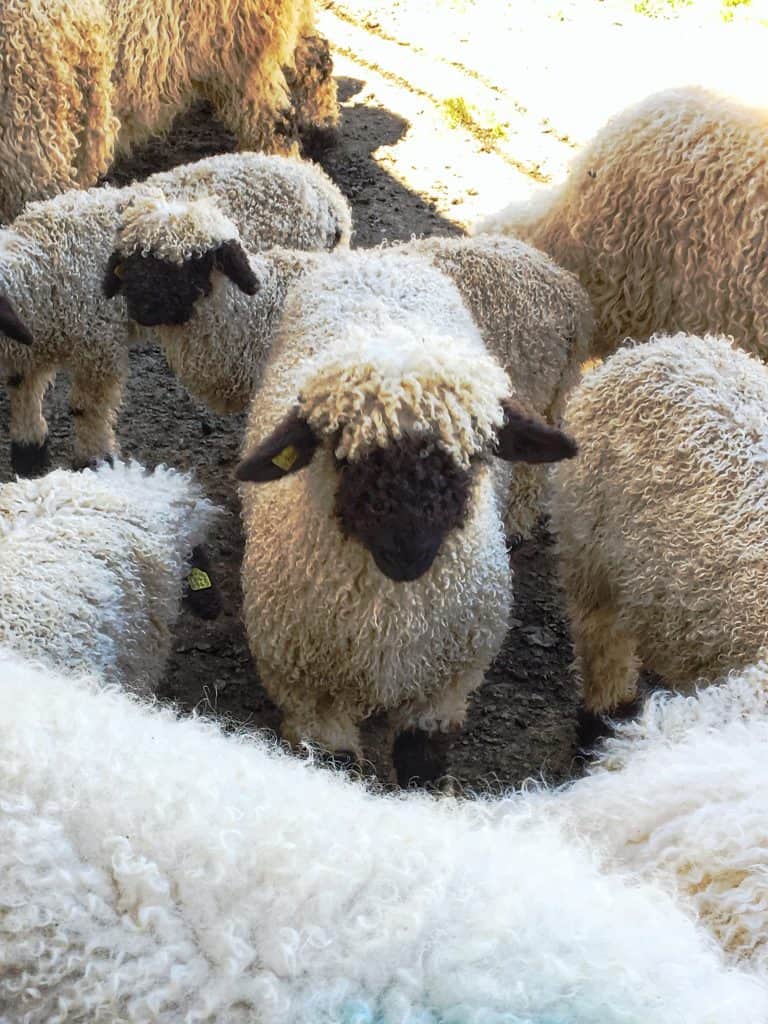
[{"x": 405, "y": 558}]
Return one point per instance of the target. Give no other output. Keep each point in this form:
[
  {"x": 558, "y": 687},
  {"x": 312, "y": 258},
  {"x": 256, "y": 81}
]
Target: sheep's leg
[
  {"x": 525, "y": 502},
  {"x": 258, "y": 114},
  {"x": 607, "y": 656},
  {"x": 29, "y": 430},
  {"x": 321, "y": 721},
  {"x": 94, "y": 402},
  {"x": 420, "y": 751}
]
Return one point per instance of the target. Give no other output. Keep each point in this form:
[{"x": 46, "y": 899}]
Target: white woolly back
[{"x": 172, "y": 229}]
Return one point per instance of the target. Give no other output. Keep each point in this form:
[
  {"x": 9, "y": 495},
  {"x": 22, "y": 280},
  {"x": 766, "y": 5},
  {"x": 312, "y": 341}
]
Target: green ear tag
[
  {"x": 285, "y": 459},
  {"x": 199, "y": 580}
]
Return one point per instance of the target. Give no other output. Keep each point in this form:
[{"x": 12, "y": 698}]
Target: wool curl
[
  {"x": 172, "y": 229},
  {"x": 154, "y": 870},
  {"x": 662, "y": 521},
  {"x": 370, "y": 394},
  {"x": 664, "y": 218},
  {"x": 680, "y": 796},
  {"x": 100, "y": 76}
]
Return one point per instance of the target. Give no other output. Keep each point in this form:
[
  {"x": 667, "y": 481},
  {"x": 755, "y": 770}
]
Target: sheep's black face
[
  {"x": 159, "y": 292},
  {"x": 401, "y": 502}
]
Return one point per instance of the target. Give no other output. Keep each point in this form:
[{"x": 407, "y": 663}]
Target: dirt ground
[{"x": 522, "y": 722}]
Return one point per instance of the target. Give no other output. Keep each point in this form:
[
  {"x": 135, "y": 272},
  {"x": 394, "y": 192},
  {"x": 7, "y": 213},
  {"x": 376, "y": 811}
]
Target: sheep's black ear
[
  {"x": 111, "y": 282},
  {"x": 288, "y": 448},
  {"x": 11, "y": 326},
  {"x": 232, "y": 260},
  {"x": 526, "y": 438}
]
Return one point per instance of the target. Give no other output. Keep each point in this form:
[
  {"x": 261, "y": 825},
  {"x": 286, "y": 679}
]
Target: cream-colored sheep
[
  {"x": 82, "y": 79},
  {"x": 664, "y": 218},
  {"x": 52, "y": 264},
  {"x": 377, "y": 576},
  {"x": 662, "y": 521},
  {"x": 534, "y": 317}
]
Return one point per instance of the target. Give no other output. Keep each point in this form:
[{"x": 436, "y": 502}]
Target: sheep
[
  {"x": 664, "y": 218},
  {"x": 661, "y": 523},
  {"x": 157, "y": 871},
  {"x": 52, "y": 264},
  {"x": 93, "y": 565},
  {"x": 378, "y": 577},
  {"x": 534, "y": 317},
  {"x": 681, "y": 797},
  {"x": 100, "y": 76}
]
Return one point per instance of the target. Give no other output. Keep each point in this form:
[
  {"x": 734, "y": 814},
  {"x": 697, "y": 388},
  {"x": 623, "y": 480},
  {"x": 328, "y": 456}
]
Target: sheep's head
[
  {"x": 165, "y": 257},
  {"x": 406, "y": 453}
]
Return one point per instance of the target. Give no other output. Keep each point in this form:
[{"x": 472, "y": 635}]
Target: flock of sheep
[{"x": 404, "y": 404}]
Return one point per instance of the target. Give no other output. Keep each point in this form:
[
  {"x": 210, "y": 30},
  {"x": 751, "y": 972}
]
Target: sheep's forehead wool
[
  {"x": 173, "y": 229},
  {"x": 372, "y": 389}
]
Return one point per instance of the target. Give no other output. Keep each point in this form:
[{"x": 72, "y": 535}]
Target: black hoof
[
  {"x": 202, "y": 596},
  {"x": 29, "y": 459},
  {"x": 80, "y": 464},
  {"x": 590, "y": 729},
  {"x": 420, "y": 759},
  {"x": 316, "y": 141}
]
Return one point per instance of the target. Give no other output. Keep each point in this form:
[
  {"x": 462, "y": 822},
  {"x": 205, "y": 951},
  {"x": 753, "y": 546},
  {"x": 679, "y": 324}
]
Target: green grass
[
  {"x": 660, "y": 8},
  {"x": 461, "y": 115}
]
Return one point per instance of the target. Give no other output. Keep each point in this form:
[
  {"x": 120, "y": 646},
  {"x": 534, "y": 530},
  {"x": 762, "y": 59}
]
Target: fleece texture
[
  {"x": 664, "y": 218},
  {"x": 371, "y": 346},
  {"x": 680, "y": 796},
  {"x": 53, "y": 258},
  {"x": 99, "y": 76},
  {"x": 93, "y": 567},
  {"x": 155, "y": 871},
  {"x": 662, "y": 520}
]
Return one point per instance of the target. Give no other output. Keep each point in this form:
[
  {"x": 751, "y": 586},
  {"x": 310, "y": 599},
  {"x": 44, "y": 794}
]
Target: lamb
[
  {"x": 154, "y": 870},
  {"x": 534, "y": 317},
  {"x": 51, "y": 268},
  {"x": 99, "y": 76},
  {"x": 377, "y": 578},
  {"x": 661, "y": 523},
  {"x": 681, "y": 797},
  {"x": 664, "y": 218},
  {"x": 93, "y": 566}
]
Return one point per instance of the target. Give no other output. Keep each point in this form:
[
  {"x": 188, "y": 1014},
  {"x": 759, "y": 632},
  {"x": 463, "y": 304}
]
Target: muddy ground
[{"x": 522, "y": 721}]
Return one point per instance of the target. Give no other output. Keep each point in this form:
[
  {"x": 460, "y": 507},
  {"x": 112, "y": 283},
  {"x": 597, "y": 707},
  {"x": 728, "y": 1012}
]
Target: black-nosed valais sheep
[
  {"x": 661, "y": 522},
  {"x": 82, "y": 79},
  {"x": 52, "y": 262},
  {"x": 664, "y": 218},
  {"x": 376, "y": 475},
  {"x": 155, "y": 870},
  {"x": 534, "y": 317}
]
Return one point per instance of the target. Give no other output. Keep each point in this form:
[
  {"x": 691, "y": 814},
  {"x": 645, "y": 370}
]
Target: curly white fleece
[
  {"x": 53, "y": 261},
  {"x": 681, "y": 797},
  {"x": 155, "y": 871},
  {"x": 93, "y": 567},
  {"x": 171, "y": 229},
  {"x": 662, "y": 521}
]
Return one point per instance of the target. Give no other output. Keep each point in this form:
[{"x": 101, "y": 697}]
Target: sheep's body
[
  {"x": 664, "y": 218},
  {"x": 334, "y": 638},
  {"x": 93, "y": 567},
  {"x": 52, "y": 262},
  {"x": 154, "y": 871},
  {"x": 99, "y": 75},
  {"x": 661, "y": 521},
  {"x": 681, "y": 797}
]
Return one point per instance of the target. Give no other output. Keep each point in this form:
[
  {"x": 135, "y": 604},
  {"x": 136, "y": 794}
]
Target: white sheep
[
  {"x": 378, "y": 576},
  {"x": 52, "y": 264},
  {"x": 98, "y": 76},
  {"x": 155, "y": 871},
  {"x": 94, "y": 565},
  {"x": 681, "y": 797},
  {"x": 662, "y": 522},
  {"x": 664, "y": 218},
  {"x": 534, "y": 317}
]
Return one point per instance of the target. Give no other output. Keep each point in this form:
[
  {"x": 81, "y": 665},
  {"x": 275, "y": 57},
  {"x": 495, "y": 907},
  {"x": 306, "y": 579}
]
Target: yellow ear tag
[
  {"x": 199, "y": 580},
  {"x": 285, "y": 459}
]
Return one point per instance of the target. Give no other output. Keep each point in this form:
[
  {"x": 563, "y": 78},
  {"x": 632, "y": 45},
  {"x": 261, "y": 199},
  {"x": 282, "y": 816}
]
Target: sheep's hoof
[
  {"x": 420, "y": 758},
  {"x": 202, "y": 596},
  {"x": 80, "y": 464},
  {"x": 314, "y": 141},
  {"x": 29, "y": 459},
  {"x": 591, "y": 728}
]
